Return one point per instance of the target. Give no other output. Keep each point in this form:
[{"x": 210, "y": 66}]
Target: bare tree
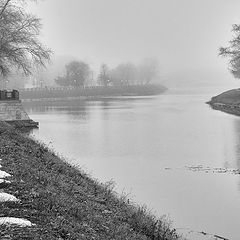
[
  {"x": 147, "y": 70},
  {"x": 77, "y": 73},
  {"x": 123, "y": 74},
  {"x": 130, "y": 74},
  {"x": 4, "y": 6},
  {"x": 19, "y": 44},
  {"x": 233, "y": 51},
  {"x": 5, "y": 3},
  {"x": 104, "y": 77}
]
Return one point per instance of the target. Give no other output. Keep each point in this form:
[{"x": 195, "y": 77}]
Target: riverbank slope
[
  {"x": 62, "y": 201},
  {"x": 228, "y": 101}
]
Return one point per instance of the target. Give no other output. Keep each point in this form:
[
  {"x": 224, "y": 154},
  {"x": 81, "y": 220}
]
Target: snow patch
[
  {"x": 4, "y": 181},
  {"x": 15, "y": 221},
  {"x": 4, "y": 174},
  {"x": 5, "y": 197},
  {"x": 0, "y": 166}
]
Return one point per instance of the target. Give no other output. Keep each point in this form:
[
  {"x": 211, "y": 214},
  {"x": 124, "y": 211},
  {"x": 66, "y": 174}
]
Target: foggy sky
[{"x": 183, "y": 34}]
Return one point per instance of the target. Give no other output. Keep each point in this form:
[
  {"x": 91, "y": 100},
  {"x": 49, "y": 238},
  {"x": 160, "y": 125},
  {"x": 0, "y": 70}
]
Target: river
[{"x": 171, "y": 152}]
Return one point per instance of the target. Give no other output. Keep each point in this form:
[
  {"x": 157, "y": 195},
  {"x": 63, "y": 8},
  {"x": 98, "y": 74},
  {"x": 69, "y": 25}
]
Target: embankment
[
  {"x": 228, "y": 102},
  {"x": 48, "y": 93},
  {"x": 62, "y": 201},
  {"x": 12, "y": 111}
]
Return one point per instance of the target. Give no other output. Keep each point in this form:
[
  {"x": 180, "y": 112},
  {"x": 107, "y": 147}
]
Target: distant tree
[
  {"x": 104, "y": 75},
  {"x": 147, "y": 71},
  {"x": 62, "y": 81},
  {"x": 19, "y": 45},
  {"x": 123, "y": 74},
  {"x": 129, "y": 74},
  {"x": 77, "y": 72}
]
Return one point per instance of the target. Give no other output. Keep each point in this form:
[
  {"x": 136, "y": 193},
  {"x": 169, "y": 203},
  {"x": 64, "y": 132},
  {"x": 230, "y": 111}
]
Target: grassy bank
[
  {"x": 229, "y": 97},
  {"x": 64, "y": 202},
  {"x": 228, "y": 102}
]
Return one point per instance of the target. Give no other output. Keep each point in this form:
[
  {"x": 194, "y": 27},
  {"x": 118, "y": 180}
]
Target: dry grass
[{"x": 64, "y": 202}]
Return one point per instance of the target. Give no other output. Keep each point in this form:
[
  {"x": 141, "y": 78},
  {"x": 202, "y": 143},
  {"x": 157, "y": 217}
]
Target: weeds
[{"x": 66, "y": 203}]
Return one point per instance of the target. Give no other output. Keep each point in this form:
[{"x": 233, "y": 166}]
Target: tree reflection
[
  {"x": 75, "y": 109},
  {"x": 237, "y": 144}
]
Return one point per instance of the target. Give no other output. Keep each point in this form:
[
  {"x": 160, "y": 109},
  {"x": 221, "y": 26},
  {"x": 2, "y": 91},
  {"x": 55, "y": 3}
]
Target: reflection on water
[
  {"x": 236, "y": 124},
  {"x": 134, "y": 140}
]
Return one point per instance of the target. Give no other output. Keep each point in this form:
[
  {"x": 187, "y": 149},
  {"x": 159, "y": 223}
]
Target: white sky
[{"x": 183, "y": 34}]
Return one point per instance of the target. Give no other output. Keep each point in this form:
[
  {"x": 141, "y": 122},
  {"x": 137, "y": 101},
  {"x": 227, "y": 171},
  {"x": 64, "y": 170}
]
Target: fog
[
  {"x": 184, "y": 35},
  {"x": 172, "y": 152}
]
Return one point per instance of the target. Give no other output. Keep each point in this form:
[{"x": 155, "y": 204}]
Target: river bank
[
  {"x": 90, "y": 92},
  {"x": 63, "y": 202},
  {"x": 228, "y": 102}
]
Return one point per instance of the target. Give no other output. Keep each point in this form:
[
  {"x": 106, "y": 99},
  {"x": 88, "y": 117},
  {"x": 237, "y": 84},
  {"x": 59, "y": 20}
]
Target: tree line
[
  {"x": 22, "y": 52},
  {"x": 78, "y": 74}
]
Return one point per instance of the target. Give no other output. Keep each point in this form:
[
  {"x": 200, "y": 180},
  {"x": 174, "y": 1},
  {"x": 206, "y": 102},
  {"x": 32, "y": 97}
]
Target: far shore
[{"x": 89, "y": 92}]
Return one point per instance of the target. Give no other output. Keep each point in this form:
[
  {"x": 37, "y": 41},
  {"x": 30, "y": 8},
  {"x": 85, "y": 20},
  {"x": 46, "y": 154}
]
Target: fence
[{"x": 95, "y": 91}]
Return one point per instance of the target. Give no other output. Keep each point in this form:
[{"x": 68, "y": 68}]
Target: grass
[
  {"x": 228, "y": 102},
  {"x": 63, "y": 201},
  {"x": 230, "y": 97}
]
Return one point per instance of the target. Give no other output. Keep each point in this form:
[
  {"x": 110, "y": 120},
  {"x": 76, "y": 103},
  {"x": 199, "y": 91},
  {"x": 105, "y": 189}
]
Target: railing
[
  {"x": 9, "y": 95},
  {"x": 80, "y": 88},
  {"x": 90, "y": 91}
]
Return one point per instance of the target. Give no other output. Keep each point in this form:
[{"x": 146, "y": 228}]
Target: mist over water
[{"x": 151, "y": 147}]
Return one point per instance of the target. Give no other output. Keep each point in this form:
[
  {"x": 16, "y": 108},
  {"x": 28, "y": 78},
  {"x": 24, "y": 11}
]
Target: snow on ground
[
  {"x": 4, "y": 174},
  {"x": 4, "y": 181},
  {"x": 5, "y": 197},
  {"x": 15, "y": 221}
]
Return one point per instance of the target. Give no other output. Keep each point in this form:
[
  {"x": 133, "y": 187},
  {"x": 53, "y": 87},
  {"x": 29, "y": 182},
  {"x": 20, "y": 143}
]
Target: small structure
[
  {"x": 9, "y": 95},
  {"x": 12, "y": 111}
]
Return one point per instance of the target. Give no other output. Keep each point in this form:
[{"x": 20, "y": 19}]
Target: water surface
[{"x": 145, "y": 143}]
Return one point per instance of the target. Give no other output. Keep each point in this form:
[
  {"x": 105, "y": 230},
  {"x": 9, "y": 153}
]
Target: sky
[{"x": 184, "y": 35}]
